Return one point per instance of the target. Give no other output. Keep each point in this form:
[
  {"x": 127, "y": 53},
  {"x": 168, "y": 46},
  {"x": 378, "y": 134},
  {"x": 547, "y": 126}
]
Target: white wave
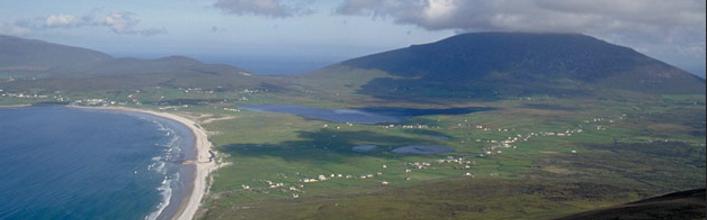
[
  {"x": 166, "y": 192},
  {"x": 162, "y": 166}
]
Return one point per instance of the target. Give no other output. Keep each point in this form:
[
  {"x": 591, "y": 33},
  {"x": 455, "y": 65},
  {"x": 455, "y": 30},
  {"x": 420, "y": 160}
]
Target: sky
[{"x": 294, "y": 36}]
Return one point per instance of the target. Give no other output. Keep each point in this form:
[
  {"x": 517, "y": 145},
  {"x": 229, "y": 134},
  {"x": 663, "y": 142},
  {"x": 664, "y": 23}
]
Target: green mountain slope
[
  {"x": 23, "y": 55},
  {"x": 497, "y": 65},
  {"x": 680, "y": 205},
  {"x": 58, "y": 67}
]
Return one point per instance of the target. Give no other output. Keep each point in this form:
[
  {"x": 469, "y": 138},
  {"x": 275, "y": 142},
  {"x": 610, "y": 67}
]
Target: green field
[
  {"x": 625, "y": 151},
  {"x": 563, "y": 155}
]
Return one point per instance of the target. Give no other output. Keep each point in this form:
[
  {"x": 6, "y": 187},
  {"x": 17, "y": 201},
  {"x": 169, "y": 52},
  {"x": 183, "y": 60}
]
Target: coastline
[
  {"x": 205, "y": 162},
  {"x": 15, "y": 106}
]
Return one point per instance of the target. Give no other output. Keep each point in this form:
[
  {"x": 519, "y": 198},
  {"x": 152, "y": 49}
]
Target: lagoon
[{"x": 366, "y": 115}]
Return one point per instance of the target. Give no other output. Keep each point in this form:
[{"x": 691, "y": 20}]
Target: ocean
[{"x": 67, "y": 163}]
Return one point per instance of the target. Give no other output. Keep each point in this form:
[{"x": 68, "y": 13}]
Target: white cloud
[
  {"x": 119, "y": 22},
  {"x": 126, "y": 23},
  {"x": 531, "y": 15},
  {"x": 269, "y": 8},
  {"x": 60, "y": 20},
  {"x": 663, "y": 28},
  {"x": 7, "y": 28},
  {"x": 440, "y": 9}
]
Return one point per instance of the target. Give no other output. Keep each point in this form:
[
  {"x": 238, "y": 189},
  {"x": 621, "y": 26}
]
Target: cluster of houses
[
  {"x": 410, "y": 126},
  {"x": 245, "y": 93},
  {"x": 95, "y": 102},
  {"x": 597, "y": 120},
  {"x": 458, "y": 161},
  {"x": 22, "y": 95},
  {"x": 297, "y": 189},
  {"x": 465, "y": 165},
  {"x": 417, "y": 126},
  {"x": 498, "y": 146},
  {"x": 196, "y": 91},
  {"x": 604, "y": 120},
  {"x": 455, "y": 162},
  {"x": 292, "y": 190},
  {"x": 134, "y": 98},
  {"x": 58, "y": 98},
  {"x": 418, "y": 165}
]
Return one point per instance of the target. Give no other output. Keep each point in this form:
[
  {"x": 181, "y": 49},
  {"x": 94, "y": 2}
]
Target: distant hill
[
  {"x": 24, "y": 55},
  {"x": 34, "y": 56},
  {"x": 493, "y": 65},
  {"x": 61, "y": 67},
  {"x": 681, "y": 205}
]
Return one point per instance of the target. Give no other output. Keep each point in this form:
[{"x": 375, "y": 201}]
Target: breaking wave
[{"x": 166, "y": 166}]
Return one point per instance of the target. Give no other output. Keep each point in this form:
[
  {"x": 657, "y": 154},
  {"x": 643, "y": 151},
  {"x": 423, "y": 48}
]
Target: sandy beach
[
  {"x": 204, "y": 163},
  {"x": 15, "y": 106}
]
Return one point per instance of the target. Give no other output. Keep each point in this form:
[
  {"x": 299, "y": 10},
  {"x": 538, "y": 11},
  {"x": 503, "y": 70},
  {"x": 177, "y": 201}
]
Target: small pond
[
  {"x": 369, "y": 115},
  {"x": 423, "y": 149},
  {"x": 364, "y": 148}
]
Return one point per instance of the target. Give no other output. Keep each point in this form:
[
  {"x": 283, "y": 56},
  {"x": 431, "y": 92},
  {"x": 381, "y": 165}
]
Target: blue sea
[{"x": 66, "y": 163}]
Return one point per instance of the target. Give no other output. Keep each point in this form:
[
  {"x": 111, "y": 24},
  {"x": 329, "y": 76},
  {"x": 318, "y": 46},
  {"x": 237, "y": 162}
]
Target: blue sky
[{"x": 298, "y": 35}]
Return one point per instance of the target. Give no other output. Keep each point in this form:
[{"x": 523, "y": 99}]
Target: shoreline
[
  {"x": 205, "y": 161},
  {"x": 16, "y": 106}
]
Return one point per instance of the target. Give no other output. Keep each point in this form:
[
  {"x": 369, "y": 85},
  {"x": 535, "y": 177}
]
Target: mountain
[
  {"x": 495, "y": 65},
  {"x": 680, "y": 205},
  {"x": 34, "y": 56},
  {"x": 24, "y": 55},
  {"x": 60, "y": 67}
]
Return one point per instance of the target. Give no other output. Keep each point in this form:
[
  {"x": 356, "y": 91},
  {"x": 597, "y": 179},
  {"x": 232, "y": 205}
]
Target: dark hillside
[{"x": 497, "y": 65}]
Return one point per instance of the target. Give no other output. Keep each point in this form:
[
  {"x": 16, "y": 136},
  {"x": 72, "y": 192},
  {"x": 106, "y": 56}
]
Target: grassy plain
[
  {"x": 612, "y": 149},
  {"x": 626, "y": 151}
]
